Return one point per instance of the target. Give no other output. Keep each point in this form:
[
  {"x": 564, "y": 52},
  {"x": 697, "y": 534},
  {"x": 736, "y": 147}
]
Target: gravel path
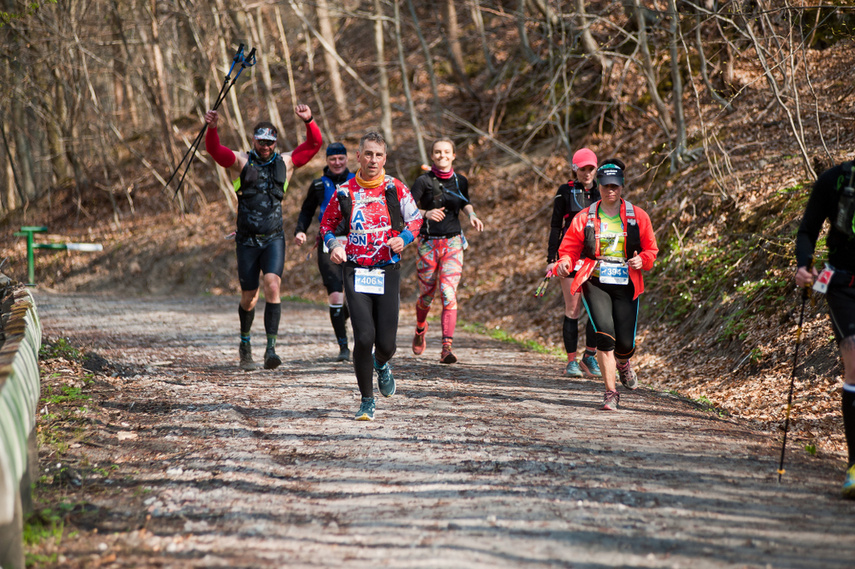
[{"x": 497, "y": 461}]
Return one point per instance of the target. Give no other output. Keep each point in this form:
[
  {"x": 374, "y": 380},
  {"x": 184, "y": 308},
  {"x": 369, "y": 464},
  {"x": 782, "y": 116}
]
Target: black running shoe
[
  {"x": 246, "y": 363},
  {"x": 271, "y": 360}
]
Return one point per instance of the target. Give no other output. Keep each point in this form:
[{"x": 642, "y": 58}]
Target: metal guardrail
[
  {"x": 19, "y": 397},
  {"x": 29, "y": 232}
]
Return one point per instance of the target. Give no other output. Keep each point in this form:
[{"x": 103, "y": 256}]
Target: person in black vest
[
  {"x": 318, "y": 196},
  {"x": 441, "y": 194},
  {"x": 260, "y": 238},
  {"x": 610, "y": 246},
  {"x": 833, "y": 198},
  {"x": 571, "y": 198}
]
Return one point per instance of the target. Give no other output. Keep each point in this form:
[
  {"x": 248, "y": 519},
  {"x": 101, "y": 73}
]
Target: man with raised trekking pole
[{"x": 260, "y": 238}]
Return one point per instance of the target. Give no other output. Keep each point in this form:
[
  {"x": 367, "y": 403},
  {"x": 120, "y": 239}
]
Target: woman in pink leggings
[{"x": 441, "y": 194}]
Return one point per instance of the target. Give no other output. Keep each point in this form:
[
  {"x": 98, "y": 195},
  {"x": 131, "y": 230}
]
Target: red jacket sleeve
[
  {"x": 648, "y": 240},
  {"x": 574, "y": 239},
  {"x": 221, "y": 155},
  {"x": 304, "y": 152}
]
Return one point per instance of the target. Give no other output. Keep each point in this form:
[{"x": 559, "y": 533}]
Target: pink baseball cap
[{"x": 584, "y": 157}]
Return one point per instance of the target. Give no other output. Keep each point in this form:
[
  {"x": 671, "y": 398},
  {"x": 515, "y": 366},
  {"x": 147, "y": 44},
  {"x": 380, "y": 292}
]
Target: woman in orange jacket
[{"x": 609, "y": 245}]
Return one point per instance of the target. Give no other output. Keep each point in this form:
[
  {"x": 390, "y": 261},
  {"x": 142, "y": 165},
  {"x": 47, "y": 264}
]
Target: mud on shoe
[
  {"x": 590, "y": 367},
  {"x": 610, "y": 401},
  {"x": 246, "y": 363},
  {"x": 419, "y": 341},
  {"x": 627, "y": 375},
  {"x": 573, "y": 369},
  {"x": 271, "y": 360},
  {"x": 385, "y": 381},
  {"x": 366, "y": 410}
]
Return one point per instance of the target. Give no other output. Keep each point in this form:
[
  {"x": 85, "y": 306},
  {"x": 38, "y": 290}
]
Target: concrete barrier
[{"x": 19, "y": 396}]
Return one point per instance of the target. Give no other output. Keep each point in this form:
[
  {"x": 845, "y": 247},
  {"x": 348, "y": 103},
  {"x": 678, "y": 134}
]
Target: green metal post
[{"x": 28, "y": 231}]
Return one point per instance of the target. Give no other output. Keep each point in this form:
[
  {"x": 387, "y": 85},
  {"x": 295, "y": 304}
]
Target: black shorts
[
  {"x": 330, "y": 272},
  {"x": 841, "y": 303},
  {"x": 614, "y": 314},
  {"x": 268, "y": 257}
]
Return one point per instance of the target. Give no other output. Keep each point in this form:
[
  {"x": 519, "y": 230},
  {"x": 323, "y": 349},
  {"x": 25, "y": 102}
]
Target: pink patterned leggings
[{"x": 440, "y": 266}]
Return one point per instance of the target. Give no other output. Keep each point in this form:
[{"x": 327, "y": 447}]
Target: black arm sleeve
[
  {"x": 556, "y": 225},
  {"x": 822, "y": 203},
  {"x": 310, "y": 206}
]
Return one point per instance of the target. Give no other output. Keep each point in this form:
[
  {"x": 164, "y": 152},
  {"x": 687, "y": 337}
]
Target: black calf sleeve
[
  {"x": 272, "y": 313},
  {"x": 849, "y": 422},
  {"x": 571, "y": 334},
  {"x": 246, "y": 318},
  {"x": 337, "y": 318}
]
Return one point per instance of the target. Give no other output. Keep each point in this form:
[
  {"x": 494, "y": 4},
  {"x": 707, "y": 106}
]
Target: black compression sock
[
  {"x": 246, "y": 317},
  {"x": 849, "y": 419},
  {"x": 272, "y": 312},
  {"x": 590, "y": 338},
  {"x": 338, "y": 323},
  {"x": 570, "y": 332}
]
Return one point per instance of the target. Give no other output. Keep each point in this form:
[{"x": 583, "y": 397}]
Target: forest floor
[{"x": 161, "y": 453}]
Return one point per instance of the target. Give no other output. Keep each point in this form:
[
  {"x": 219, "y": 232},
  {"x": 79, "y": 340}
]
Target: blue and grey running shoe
[
  {"x": 573, "y": 369},
  {"x": 385, "y": 381},
  {"x": 590, "y": 367},
  {"x": 366, "y": 410},
  {"x": 849, "y": 483}
]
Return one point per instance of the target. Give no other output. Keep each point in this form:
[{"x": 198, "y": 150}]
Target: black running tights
[{"x": 374, "y": 318}]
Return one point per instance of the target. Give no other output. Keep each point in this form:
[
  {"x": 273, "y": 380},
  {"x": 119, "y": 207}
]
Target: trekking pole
[
  {"x": 542, "y": 288},
  {"x": 245, "y": 62},
  {"x": 237, "y": 58},
  {"x": 805, "y": 295}
]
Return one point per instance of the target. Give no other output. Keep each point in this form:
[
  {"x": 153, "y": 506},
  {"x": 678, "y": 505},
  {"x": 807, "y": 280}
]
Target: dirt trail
[{"x": 494, "y": 462}]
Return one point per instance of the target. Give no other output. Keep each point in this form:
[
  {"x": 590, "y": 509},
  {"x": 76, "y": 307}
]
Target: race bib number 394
[
  {"x": 369, "y": 281},
  {"x": 614, "y": 273}
]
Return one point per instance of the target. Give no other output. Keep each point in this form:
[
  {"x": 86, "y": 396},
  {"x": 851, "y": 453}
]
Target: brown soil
[{"x": 181, "y": 460}]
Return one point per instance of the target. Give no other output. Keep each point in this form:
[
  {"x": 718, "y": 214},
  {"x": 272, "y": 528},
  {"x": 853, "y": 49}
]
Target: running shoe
[
  {"x": 343, "y": 354},
  {"x": 849, "y": 483},
  {"x": 447, "y": 356},
  {"x": 627, "y": 376},
  {"x": 610, "y": 401},
  {"x": 385, "y": 381},
  {"x": 419, "y": 341},
  {"x": 271, "y": 360},
  {"x": 366, "y": 410},
  {"x": 246, "y": 363},
  {"x": 573, "y": 369},
  {"x": 590, "y": 367}
]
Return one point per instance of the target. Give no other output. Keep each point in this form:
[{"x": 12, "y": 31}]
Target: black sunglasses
[{"x": 265, "y": 143}]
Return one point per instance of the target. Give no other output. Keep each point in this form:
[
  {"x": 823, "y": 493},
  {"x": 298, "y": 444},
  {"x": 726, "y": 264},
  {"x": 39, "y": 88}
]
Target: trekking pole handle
[{"x": 238, "y": 58}]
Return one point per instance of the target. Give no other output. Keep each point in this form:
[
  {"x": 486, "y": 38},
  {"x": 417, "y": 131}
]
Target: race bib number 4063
[{"x": 369, "y": 281}]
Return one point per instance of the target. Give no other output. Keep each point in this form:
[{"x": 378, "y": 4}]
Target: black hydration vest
[{"x": 260, "y": 190}]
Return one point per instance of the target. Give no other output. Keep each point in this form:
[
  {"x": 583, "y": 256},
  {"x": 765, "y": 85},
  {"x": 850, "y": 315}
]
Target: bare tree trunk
[
  {"x": 256, "y": 27},
  {"x": 525, "y": 46},
  {"x": 326, "y": 28},
  {"x": 589, "y": 44},
  {"x": 677, "y": 157},
  {"x": 234, "y": 111},
  {"x": 452, "y": 37},
  {"x": 478, "y": 18},
  {"x": 385, "y": 102},
  {"x": 414, "y": 117},
  {"x": 310, "y": 56},
  {"x": 649, "y": 71},
  {"x": 287, "y": 54},
  {"x": 437, "y": 106}
]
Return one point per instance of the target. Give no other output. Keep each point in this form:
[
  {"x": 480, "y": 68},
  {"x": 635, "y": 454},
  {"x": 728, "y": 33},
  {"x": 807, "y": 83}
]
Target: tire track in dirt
[{"x": 495, "y": 462}]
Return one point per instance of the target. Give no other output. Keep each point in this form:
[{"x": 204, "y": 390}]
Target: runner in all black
[
  {"x": 380, "y": 218},
  {"x": 609, "y": 246},
  {"x": 441, "y": 194},
  {"x": 833, "y": 198},
  {"x": 259, "y": 238},
  {"x": 576, "y": 195},
  {"x": 318, "y": 196}
]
